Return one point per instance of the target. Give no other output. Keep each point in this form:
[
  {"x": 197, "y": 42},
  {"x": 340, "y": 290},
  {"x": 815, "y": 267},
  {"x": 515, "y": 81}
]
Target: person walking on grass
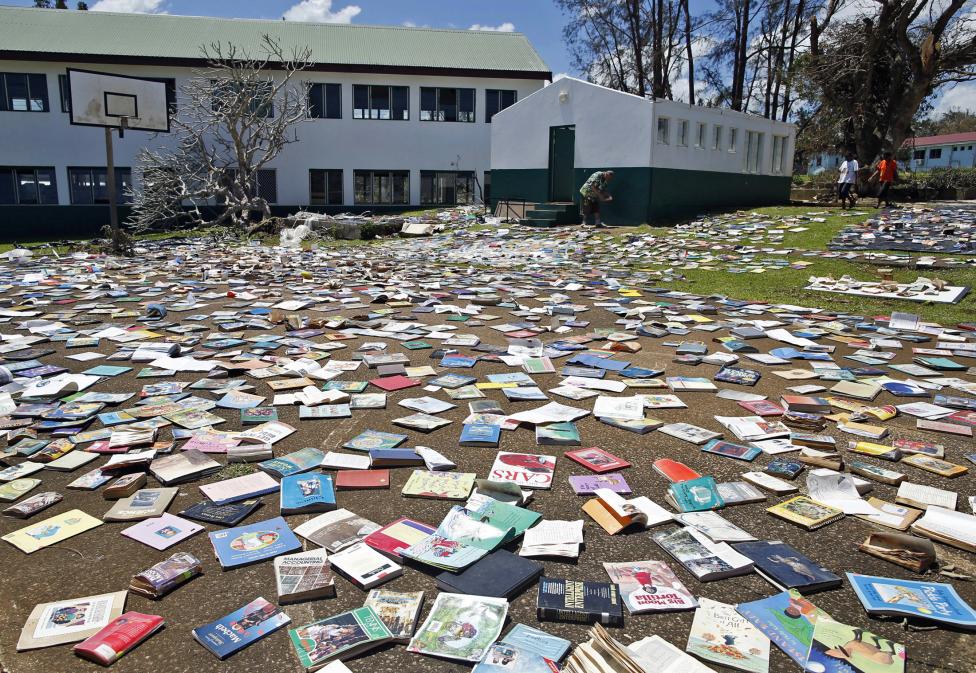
[
  {"x": 847, "y": 181},
  {"x": 594, "y": 192},
  {"x": 886, "y": 171}
]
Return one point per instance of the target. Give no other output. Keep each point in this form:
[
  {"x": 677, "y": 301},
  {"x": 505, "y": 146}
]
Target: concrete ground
[{"x": 101, "y": 560}]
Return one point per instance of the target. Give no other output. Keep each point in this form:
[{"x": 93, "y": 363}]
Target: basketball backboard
[{"x": 105, "y": 99}]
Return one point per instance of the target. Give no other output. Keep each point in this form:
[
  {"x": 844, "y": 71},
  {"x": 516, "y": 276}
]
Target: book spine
[{"x": 579, "y": 616}]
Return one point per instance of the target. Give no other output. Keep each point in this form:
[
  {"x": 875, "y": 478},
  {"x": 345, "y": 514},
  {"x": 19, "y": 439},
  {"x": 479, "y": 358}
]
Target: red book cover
[
  {"x": 597, "y": 459},
  {"x": 762, "y": 408},
  {"x": 118, "y": 637},
  {"x": 397, "y": 536},
  {"x": 674, "y": 471},
  {"x": 353, "y": 479},
  {"x": 391, "y": 383}
]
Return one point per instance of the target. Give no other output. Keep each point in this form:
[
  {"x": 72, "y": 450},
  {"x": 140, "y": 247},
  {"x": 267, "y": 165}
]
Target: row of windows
[
  {"x": 701, "y": 140},
  {"x": 22, "y": 92},
  {"x": 33, "y": 186},
  {"x": 936, "y": 152}
]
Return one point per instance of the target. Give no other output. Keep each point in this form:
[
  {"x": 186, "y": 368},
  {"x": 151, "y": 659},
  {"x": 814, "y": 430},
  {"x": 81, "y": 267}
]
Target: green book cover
[{"x": 338, "y": 636}]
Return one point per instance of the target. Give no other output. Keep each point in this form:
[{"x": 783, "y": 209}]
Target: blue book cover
[
  {"x": 458, "y": 361},
  {"x": 240, "y": 628},
  {"x": 293, "y": 463},
  {"x": 369, "y": 440},
  {"x": 535, "y": 640},
  {"x": 787, "y": 619},
  {"x": 731, "y": 450},
  {"x": 240, "y": 546},
  {"x": 307, "y": 492},
  {"x": 480, "y": 434},
  {"x": 926, "y": 600},
  {"x": 696, "y": 495},
  {"x": 786, "y": 567}
]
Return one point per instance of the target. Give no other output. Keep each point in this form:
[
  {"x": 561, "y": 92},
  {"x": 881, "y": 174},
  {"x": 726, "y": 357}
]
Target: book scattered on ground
[
  {"x": 162, "y": 532},
  {"x": 439, "y": 485},
  {"x": 69, "y": 621},
  {"x": 398, "y": 610},
  {"x": 118, "y": 637},
  {"x": 932, "y": 601},
  {"x": 160, "y": 579},
  {"x": 304, "y": 576},
  {"x": 535, "y": 640},
  {"x": 460, "y": 627},
  {"x": 240, "y": 488},
  {"x": 339, "y": 637},
  {"x": 500, "y": 574},
  {"x": 241, "y": 628},
  {"x": 235, "y": 547},
  {"x": 364, "y": 566},
  {"x": 51, "y": 531},
  {"x": 839, "y": 648},
  {"x": 394, "y": 537},
  {"x": 787, "y": 619},
  {"x": 722, "y": 635},
  {"x": 704, "y": 559},
  {"x": 222, "y": 515},
  {"x": 649, "y": 586},
  {"x": 523, "y": 469},
  {"x": 956, "y": 529},
  {"x": 786, "y": 568},
  {"x": 562, "y": 600},
  {"x": 306, "y": 493},
  {"x": 806, "y": 512},
  {"x": 336, "y": 530},
  {"x": 143, "y": 504}
]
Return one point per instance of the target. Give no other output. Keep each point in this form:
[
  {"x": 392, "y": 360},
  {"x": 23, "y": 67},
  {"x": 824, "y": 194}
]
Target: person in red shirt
[{"x": 886, "y": 171}]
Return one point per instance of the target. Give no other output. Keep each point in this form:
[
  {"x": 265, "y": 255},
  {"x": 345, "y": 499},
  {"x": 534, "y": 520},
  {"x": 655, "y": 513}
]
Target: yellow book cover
[
  {"x": 443, "y": 485},
  {"x": 489, "y": 385},
  {"x": 805, "y": 512},
  {"x": 604, "y": 516},
  {"x": 51, "y": 531}
]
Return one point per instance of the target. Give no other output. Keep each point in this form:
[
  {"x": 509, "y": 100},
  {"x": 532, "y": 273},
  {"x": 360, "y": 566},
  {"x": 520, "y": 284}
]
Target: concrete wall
[{"x": 47, "y": 138}]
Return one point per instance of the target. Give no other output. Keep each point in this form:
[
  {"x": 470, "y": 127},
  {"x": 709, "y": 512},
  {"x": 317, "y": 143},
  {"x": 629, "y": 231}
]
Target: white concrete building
[
  {"x": 399, "y": 117},
  {"x": 668, "y": 158}
]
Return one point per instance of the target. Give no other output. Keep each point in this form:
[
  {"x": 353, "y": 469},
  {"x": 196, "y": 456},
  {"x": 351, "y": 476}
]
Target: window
[
  {"x": 28, "y": 186},
  {"x": 381, "y": 187},
  {"x": 683, "y": 132},
  {"x": 733, "y": 133},
  {"x": 779, "y": 153},
  {"x": 325, "y": 187},
  {"x": 447, "y": 188},
  {"x": 90, "y": 185},
  {"x": 446, "y": 105},
  {"x": 754, "y": 143},
  {"x": 497, "y": 100},
  {"x": 716, "y": 137},
  {"x": 265, "y": 183},
  {"x": 700, "y": 136},
  {"x": 918, "y": 154},
  {"x": 935, "y": 153},
  {"x": 380, "y": 102},
  {"x": 64, "y": 90},
  {"x": 22, "y": 92},
  {"x": 663, "y": 130},
  {"x": 325, "y": 101},
  {"x": 261, "y": 97}
]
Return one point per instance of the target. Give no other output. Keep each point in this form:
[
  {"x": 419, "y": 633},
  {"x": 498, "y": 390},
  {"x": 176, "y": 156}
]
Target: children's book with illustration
[
  {"x": 839, "y": 648},
  {"x": 255, "y": 542},
  {"x": 398, "y": 610},
  {"x": 786, "y": 568},
  {"x": 722, "y": 635},
  {"x": 338, "y": 637},
  {"x": 440, "y": 485},
  {"x": 806, "y": 512},
  {"x": 787, "y": 619},
  {"x": 69, "y": 621},
  {"x": 460, "y": 627},
  {"x": 649, "y": 586},
  {"x": 934, "y": 601}
]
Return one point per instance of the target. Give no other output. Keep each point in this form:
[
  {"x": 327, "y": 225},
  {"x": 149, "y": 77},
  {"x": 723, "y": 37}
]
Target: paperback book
[
  {"x": 722, "y": 635},
  {"x": 787, "y": 619},
  {"x": 235, "y": 547},
  {"x": 240, "y": 628},
  {"x": 338, "y": 637},
  {"x": 304, "y": 576},
  {"x": 649, "y": 586},
  {"x": 460, "y": 627},
  {"x": 398, "y": 610}
]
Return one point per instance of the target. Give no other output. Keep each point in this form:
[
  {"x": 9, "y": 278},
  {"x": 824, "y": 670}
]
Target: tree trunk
[
  {"x": 739, "y": 77},
  {"x": 797, "y": 24},
  {"x": 637, "y": 43},
  {"x": 658, "y": 47},
  {"x": 689, "y": 56}
]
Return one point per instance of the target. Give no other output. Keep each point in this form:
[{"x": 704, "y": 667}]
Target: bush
[{"x": 943, "y": 179}]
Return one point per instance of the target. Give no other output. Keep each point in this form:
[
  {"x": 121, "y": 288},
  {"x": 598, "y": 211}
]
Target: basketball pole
[{"x": 113, "y": 208}]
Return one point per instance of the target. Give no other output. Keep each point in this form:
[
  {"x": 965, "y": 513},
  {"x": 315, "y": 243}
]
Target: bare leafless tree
[{"x": 236, "y": 115}]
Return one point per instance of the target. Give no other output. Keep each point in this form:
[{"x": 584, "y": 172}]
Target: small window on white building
[
  {"x": 935, "y": 153},
  {"x": 754, "y": 143},
  {"x": 733, "y": 133},
  {"x": 779, "y": 151},
  {"x": 716, "y": 137},
  {"x": 663, "y": 131},
  {"x": 683, "y": 133},
  {"x": 700, "y": 131}
]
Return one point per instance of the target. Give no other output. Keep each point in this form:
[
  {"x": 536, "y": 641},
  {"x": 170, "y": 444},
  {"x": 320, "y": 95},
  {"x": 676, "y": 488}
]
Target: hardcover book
[
  {"x": 240, "y": 628},
  {"x": 235, "y": 547},
  {"x": 224, "y": 515},
  {"x": 806, "y": 512},
  {"x": 649, "y": 586},
  {"x": 573, "y": 601},
  {"x": 500, "y": 574}
]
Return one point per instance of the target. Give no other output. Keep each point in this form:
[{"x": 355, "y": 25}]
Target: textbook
[
  {"x": 597, "y": 460},
  {"x": 336, "y": 530},
  {"x": 460, "y": 627},
  {"x": 439, "y": 485},
  {"x": 306, "y": 493},
  {"x": 240, "y": 628},
  {"x": 341, "y": 636},
  {"x": 480, "y": 434},
  {"x": 69, "y": 621},
  {"x": 523, "y": 469},
  {"x": 364, "y": 566},
  {"x": 398, "y": 610},
  {"x": 255, "y": 542},
  {"x": 394, "y": 537},
  {"x": 704, "y": 559},
  {"x": 440, "y": 552},
  {"x": 786, "y": 568},
  {"x": 716, "y": 527},
  {"x": 239, "y": 488},
  {"x": 565, "y": 600},
  {"x": 722, "y": 635},
  {"x": 806, "y": 512},
  {"x": 143, "y": 504},
  {"x": 649, "y": 586},
  {"x": 932, "y": 601},
  {"x": 118, "y": 637},
  {"x": 292, "y": 463},
  {"x": 694, "y": 495},
  {"x": 500, "y": 574},
  {"x": 304, "y": 576},
  {"x": 787, "y": 619}
]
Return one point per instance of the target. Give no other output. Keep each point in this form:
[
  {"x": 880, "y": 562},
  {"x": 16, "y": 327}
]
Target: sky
[{"x": 540, "y": 20}]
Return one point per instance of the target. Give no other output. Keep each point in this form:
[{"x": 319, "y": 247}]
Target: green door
[{"x": 562, "y": 154}]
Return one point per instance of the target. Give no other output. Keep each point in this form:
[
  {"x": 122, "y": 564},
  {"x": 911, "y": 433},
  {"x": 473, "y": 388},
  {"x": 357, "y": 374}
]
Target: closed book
[
  {"x": 348, "y": 480},
  {"x": 120, "y": 635},
  {"x": 243, "y": 545},
  {"x": 587, "y": 484},
  {"x": 240, "y": 488},
  {"x": 393, "y": 538},
  {"x": 480, "y": 434},
  {"x": 786, "y": 568},
  {"x": 499, "y": 574},
  {"x": 293, "y": 463},
  {"x": 160, "y": 579},
  {"x": 143, "y": 504},
  {"x": 338, "y": 637},
  {"x": 304, "y": 576},
  {"x": 307, "y": 492},
  {"x": 223, "y": 515},
  {"x": 695, "y": 495},
  {"x": 394, "y": 458},
  {"x": 564, "y": 600},
  {"x": 364, "y": 566},
  {"x": 398, "y": 610},
  {"x": 806, "y": 512},
  {"x": 240, "y": 628}
]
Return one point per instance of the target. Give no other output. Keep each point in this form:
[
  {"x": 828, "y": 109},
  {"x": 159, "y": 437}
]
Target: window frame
[
  {"x": 683, "y": 127},
  {"x": 779, "y": 153},
  {"x": 32, "y": 80},
  {"x": 120, "y": 198},
  {"x": 390, "y": 95},
  {"x": 324, "y": 106},
  {"x": 701, "y": 135},
  {"x": 935, "y": 153},
  {"x": 717, "y": 137},
  {"x": 12, "y": 173},
  {"x": 327, "y": 191},
  {"x": 663, "y": 124},
  {"x": 733, "y": 139},
  {"x": 373, "y": 173},
  {"x": 436, "y": 115},
  {"x": 498, "y": 95},
  {"x": 468, "y": 176}
]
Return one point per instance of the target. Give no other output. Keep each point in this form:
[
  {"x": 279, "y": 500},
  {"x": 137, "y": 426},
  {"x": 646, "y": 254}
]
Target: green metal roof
[{"x": 109, "y": 35}]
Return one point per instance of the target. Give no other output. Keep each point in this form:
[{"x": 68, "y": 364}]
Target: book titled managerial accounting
[{"x": 573, "y": 601}]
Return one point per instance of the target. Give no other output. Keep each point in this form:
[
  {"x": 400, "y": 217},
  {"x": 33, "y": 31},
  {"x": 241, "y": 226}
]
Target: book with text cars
[
  {"x": 255, "y": 542},
  {"x": 703, "y": 558},
  {"x": 336, "y": 530},
  {"x": 524, "y": 469},
  {"x": 460, "y": 627},
  {"x": 338, "y": 637},
  {"x": 307, "y": 492},
  {"x": 649, "y": 586},
  {"x": 398, "y": 610},
  {"x": 787, "y": 619},
  {"x": 933, "y": 601},
  {"x": 68, "y": 621},
  {"x": 722, "y": 635},
  {"x": 786, "y": 568},
  {"x": 304, "y": 576},
  {"x": 235, "y": 631},
  {"x": 120, "y": 635},
  {"x": 565, "y": 600}
]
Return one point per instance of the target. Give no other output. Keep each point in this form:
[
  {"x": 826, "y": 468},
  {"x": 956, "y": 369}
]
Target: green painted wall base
[{"x": 651, "y": 195}]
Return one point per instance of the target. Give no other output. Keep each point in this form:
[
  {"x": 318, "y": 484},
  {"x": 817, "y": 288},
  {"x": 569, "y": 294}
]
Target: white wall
[
  {"x": 673, "y": 155},
  {"x": 47, "y": 138},
  {"x": 612, "y": 128}
]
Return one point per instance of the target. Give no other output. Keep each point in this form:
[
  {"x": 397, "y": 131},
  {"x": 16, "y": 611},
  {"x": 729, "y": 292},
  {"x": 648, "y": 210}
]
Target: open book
[{"x": 614, "y": 514}]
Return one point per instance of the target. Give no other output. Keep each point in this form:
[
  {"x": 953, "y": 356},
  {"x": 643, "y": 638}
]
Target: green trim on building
[{"x": 649, "y": 195}]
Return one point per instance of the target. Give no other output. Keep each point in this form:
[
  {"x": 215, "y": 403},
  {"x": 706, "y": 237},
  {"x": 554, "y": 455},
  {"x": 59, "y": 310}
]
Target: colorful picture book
[
  {"x": 69, "y": 621},
  {"x": 787, "y": 619},
  {"x": 933, "y": 601},
  {"x": 398, "y": 610},
  {"x": 307, "y": 492},
  {"x": 460, "y": 627},
  {"x": 240, "y": 628},
  {"x": 839, "y": 648},
  {"x": 523, "y": 469},
  {"x": 338, "y": 637},
  {"x": 722, "y": 635},
  {"x": 51, "y": 531},
  {"x": 255, "y": 542},
  {"x": 649, "y": 586}
]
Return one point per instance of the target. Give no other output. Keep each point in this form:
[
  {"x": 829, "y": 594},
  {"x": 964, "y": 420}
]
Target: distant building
[
  {"x": 669, "y": 158},
  {"x": 954, "y": 150}
]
